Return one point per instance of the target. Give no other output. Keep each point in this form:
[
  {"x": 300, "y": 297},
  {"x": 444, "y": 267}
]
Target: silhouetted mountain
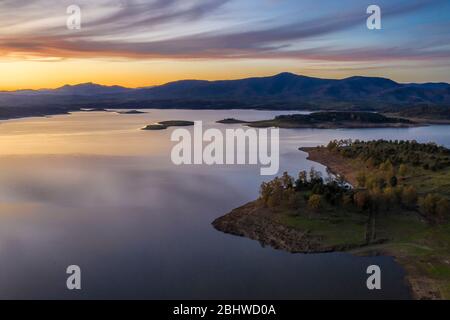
[
  {"x": 291, "y": 87},
  {"x": 87, "y": 89},
  {"x": 83, "y": 89},
  {"x": 282, "y": 91},
  {"x": 281, "y": 86}
]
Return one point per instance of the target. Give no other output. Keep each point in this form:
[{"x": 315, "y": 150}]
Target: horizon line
[{"x": 219, "y": 80}]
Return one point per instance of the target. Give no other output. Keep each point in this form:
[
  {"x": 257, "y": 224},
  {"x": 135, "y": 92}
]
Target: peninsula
[{"x": 385, "y": 197}]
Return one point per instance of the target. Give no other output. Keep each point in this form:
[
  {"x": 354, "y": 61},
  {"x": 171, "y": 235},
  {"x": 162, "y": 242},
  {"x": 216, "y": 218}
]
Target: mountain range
[{"x": 282, "y": 91}]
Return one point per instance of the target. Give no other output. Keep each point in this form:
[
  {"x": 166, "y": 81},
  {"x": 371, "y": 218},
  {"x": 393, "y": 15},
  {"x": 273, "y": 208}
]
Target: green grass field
[{"x": 333, "y": 231}]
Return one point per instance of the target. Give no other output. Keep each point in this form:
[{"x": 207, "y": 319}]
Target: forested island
[
  {"x": 131, "y": 112},
  {"x": 166, "y": 124},
  {"x": 381, "y": 197},
  {"x": 328, "y": 120}
]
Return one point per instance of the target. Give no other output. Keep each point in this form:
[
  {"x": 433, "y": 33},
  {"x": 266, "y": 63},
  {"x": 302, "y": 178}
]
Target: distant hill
[
  {"x": 87, "y": 89},
  {"x": 290, "y": 87},
  {"x": 282, "y": 91},
  {"x": 83, "y": 89}
]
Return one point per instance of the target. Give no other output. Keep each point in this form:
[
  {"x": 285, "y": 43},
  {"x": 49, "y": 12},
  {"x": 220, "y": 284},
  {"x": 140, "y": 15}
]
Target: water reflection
[{"x": 91, "y": 189}]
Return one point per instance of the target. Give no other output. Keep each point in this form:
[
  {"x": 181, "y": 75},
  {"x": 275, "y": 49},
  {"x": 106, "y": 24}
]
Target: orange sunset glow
[{"x": 146, "y": 43}]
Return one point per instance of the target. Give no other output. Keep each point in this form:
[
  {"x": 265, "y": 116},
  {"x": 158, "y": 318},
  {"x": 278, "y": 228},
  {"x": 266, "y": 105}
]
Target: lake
[{"x": 94, "y": 190}]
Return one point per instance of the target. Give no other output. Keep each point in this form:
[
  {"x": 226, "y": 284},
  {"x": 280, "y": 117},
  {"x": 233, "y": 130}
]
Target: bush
[
  {"x": 361, "y": 179},
  {"x": 403, "y": 170},
  {"x": 315, "y": 202},
  {"x": 409, "y": 197},
  {"x": 434, "y": 206}
]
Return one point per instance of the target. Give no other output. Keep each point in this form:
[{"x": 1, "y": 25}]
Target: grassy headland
[{"x": 398, "y": 205}]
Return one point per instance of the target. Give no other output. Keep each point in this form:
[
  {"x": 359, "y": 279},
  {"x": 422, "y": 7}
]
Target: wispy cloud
[{"x": 189, "y": 29}]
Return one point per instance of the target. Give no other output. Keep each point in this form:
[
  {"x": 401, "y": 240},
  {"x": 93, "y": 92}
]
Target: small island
[
  {"x": 131, "y": 112},
  {"x": 231, "y": 121},
  {"x": 328, "y": 120},
  {"x": 166, "y": 124},
  {"x": 93, "y": 110},
  {"x": 380, "y": 197}
]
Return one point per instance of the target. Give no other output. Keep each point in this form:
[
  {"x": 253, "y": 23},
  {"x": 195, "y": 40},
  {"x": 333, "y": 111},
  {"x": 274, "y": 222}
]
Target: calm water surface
[{"x": 92, "y": 189}]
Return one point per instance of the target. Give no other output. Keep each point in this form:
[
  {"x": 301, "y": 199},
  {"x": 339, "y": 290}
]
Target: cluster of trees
[
  {"x": 375, "y": 194},
  {"x": 427, "y": 155},
  {"x": 434, "y": 206},
  {"x": 309, "y": 187},
  {"x": 383, "y": 176},
  {"x": 380, "y": 191},
  {"x": 341, "y": 116},
  {"x": 381, "y": 187}
]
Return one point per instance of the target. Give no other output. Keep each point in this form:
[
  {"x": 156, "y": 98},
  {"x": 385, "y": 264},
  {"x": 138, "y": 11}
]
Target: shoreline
[
  {"x": 334, "y": 165},
  {"x": 339, "y": 126},
  {"x": 263, "y": 225},
  {"x": 416, "y": 122}
]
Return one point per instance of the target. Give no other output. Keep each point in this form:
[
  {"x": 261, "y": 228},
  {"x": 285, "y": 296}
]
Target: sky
[{"x": 138, "y": 43}]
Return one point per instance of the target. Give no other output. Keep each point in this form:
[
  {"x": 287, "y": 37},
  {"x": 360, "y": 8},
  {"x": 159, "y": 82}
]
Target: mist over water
[{"x": 94, "y": 190}]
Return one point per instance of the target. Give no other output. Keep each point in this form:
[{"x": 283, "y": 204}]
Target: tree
[
  {"x": 361, "y": 179},
  {"x": 393, "y": 181},
  {"x": 403, "y": 170},
  {"x": 409, "y": 196},
  {"x": 375, "y": 180},
  {"x": 265, "y": 191},
  {"x": 302, "y": 176},
  {"x": 387, "y": 166},
  {"x": 389, "y": 197},
  {"x": 301, "y": 181},
  {"x": 433, "y": 206},
  {"x": 315, "y": 202},
  {"x": 277, "y": 193},
  {"x": 332, "y": 145},
  {"x": 287, "y": 181},
  {"x": 314, "y": 175}
]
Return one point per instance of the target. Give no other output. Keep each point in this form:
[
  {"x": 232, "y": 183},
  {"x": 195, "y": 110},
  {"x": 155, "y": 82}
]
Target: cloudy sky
[{"x": 147, "y": 42}]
